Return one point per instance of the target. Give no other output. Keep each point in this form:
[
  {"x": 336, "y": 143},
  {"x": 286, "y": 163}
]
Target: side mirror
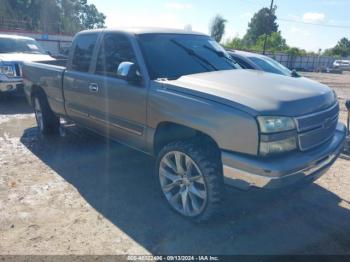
[
  {"x": 129, "y": 72},
  {"x": 295, "y": 73}
]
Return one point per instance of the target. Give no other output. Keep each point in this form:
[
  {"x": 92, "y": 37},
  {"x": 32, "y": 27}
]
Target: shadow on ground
[
  {"x": 16, "y": 103},
  {"x": 119, "y": 183}
]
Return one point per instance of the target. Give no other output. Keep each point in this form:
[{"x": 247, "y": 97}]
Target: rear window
[{"x": 84, "y": 48}]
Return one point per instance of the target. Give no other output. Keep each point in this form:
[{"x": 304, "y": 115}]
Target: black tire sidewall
[
  {"x": 50, "y": 120},
  {"x": 197, "y": 154}
]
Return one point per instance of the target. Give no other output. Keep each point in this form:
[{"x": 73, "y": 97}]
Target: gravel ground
[{"x": 81, "y": 194}]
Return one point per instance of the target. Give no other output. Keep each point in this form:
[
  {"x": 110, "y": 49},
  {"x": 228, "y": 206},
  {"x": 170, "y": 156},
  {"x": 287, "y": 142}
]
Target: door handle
[{"x": 93, "y": 87}]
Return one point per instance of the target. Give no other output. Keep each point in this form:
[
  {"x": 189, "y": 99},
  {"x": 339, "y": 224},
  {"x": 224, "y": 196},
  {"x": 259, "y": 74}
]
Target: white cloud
[
  {"x": 178, "y": 5},
  {"x": 313, "y": 17}
]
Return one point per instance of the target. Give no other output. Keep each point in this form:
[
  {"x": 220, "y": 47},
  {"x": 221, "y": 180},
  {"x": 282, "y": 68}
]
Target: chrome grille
[
  {"x": 315, "y": 129},
  {"x": 18, "y": 70}
]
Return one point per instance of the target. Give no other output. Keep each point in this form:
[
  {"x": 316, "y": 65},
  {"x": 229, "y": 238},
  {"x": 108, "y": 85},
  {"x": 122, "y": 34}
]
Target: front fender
[{"x": 231, "y": 129}]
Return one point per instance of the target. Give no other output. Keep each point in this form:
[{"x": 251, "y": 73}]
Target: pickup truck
[
  {"x": 14, "y": 50},
  {"x": 178, "y": 96}
]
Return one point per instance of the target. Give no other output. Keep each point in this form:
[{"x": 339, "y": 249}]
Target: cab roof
[
  {"x": 143, "y": 30},
  {"x": 15, "y": 37}
]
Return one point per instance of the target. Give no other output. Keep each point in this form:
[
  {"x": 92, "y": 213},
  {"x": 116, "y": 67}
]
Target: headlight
[
  {"x": 274, "y": 124},
  {"x": 278, "y": 134},
  {"x": 275, "y": 147},
  {"x": 7, "y": 70}
]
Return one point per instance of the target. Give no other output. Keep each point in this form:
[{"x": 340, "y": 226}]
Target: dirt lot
[{"x": 81, "y": 194}]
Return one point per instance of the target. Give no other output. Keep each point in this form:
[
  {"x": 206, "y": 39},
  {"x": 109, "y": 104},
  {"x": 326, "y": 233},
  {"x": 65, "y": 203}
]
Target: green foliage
[
  {"x": 67, "y": 16},
  {"x": 263, "y": 22},
  {"x": 294, "y": 51},
  {"x": 274, "y": 42},
  {"x": 234, "y": 43},
  {"x": 217, "y": 27},
  {"x": 342, "y": 49}
]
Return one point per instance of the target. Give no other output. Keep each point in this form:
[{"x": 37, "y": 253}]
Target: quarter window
[
  {"x": 115, "y": 48},
  {"x": 84, "y": 49}
]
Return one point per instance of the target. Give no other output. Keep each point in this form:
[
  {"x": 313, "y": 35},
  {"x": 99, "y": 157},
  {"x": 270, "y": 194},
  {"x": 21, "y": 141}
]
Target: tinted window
[
  {"x": 269, "y": 65},
  {"x": 174, "y": 55},
  {"x": 84, "y": 49},
  {"x": 242, "y": 63},
  {"x": 115, "y": 49}
]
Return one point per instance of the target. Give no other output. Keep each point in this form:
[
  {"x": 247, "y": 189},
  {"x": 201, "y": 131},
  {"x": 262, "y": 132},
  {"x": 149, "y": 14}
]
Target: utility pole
[{"x": 271, "y": 6}]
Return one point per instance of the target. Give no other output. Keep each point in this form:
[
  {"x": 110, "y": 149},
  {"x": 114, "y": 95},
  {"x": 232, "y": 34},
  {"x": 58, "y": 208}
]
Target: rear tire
[
  {"x": 48, "y": 123},
  {"x": 191, "y": 180}
]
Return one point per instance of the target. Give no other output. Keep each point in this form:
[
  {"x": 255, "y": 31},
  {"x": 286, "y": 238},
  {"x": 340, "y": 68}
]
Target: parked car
[
  {"x": 248, "y": 60},
  {"x": 342, "y": 64},
  {"x": 14, "y": 50},
  {"x": 177, "y": 95}
]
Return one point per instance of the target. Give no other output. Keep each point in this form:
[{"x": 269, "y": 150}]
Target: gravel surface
[{"x": 81, "y": 194}]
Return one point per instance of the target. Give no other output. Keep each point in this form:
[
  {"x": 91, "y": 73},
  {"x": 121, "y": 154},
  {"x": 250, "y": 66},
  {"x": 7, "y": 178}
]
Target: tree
[
  {"x": 263, "y": 22},
  {"x": 66, "y": 16},
  {"x": 274, "y": 42},
  {"x": 235, "y": 43},
  {"x": 342, "y": 48},
  {"x": 217, "y": 27},
  {"x": 91, "y": 18}
]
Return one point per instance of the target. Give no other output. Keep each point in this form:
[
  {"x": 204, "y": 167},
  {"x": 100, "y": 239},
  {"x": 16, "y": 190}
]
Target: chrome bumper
[
  {"x": 245, "y": 172},
  {"x": 9, "y": 84}
]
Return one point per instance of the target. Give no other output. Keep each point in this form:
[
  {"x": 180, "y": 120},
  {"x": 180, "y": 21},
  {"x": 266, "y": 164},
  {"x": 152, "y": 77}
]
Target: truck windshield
[
  {"x": 8, "y": 45},
  {"x": 269, "y": 65},
  {"x": 174, "y": 55}
]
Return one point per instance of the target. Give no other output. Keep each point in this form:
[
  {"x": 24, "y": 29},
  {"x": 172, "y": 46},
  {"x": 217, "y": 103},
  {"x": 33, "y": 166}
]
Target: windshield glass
[
  {"x": 174, "y": 55},
  {"x": 269, "y": 65},
  {"x": 8, "y": 45}
]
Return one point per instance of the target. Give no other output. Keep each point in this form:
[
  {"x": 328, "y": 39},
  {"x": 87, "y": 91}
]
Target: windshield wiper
[
  {"x": 220, "y": 54},
  {"x": 191, "y": 52}
]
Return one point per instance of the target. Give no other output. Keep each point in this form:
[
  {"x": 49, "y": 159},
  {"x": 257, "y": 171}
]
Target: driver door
[{"x": 118, "y": 108}]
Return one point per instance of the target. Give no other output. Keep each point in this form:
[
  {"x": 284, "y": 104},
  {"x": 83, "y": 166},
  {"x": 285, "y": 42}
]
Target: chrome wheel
[
  {"x": 38, "y": 114},
  {"x": 182, "y": 183}
]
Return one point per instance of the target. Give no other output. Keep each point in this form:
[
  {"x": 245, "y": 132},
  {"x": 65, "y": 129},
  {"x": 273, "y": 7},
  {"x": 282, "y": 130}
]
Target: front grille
[
  {"x": 315, "y": 129},
  {"x": 18, "y": 69}
]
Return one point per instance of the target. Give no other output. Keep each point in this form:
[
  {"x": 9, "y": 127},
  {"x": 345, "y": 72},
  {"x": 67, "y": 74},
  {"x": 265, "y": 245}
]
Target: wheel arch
[{"x": 167, "y": 132}]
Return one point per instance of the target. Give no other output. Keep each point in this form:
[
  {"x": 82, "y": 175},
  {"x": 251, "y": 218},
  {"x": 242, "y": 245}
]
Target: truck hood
[
  {"x": 257, "y": 92},
  {"x": 22, "y": 57}
]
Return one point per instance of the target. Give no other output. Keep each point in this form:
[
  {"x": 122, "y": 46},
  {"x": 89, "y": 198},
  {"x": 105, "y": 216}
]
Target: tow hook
[{"x": 346, "y": 151}]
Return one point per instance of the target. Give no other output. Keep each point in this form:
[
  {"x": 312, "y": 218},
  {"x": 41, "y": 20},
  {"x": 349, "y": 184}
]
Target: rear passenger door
[
  {"x": 118, "y": 108},
  {"x": 77, "y": 91}
]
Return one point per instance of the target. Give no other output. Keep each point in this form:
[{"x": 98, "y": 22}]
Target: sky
[{"x": 180, "y": 13}]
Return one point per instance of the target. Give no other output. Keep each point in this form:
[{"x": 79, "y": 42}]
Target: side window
[
  {"x": 84, "y": 49},
  {"x": 242, "y": 63},
  {"x": 115, "y": 49}
]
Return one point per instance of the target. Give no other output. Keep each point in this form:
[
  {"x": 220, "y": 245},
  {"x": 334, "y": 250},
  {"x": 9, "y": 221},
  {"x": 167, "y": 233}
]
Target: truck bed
[{"x": 49, "y": 76}]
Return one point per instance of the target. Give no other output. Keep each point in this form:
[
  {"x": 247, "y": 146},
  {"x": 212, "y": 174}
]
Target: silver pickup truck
[{"x": 178, "y": 96}]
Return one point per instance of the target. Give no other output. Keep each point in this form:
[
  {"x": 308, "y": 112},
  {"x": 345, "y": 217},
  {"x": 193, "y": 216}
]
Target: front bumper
[
  {"x": 8, "y": 84},
  {"x": 245, "y": 171}
]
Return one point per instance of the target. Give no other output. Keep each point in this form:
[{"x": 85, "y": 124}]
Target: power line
[{"x": 316, "y": 24}]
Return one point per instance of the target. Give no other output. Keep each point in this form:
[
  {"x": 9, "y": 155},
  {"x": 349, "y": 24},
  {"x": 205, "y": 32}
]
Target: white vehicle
[
  {"x": 342, "y": 64},
  {"x": 14, "y": 50}
]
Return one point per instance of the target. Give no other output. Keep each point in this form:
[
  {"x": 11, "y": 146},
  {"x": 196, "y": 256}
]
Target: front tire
[
  {"x": 191, "y": 180},
  {"x": 48, "y": 123}
]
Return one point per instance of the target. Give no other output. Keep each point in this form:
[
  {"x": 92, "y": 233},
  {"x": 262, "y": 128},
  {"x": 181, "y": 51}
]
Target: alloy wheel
[{"x": 182, "y": 183}]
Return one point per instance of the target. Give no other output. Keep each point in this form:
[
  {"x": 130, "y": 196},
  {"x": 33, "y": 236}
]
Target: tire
[
  {"x": 48, "y": 123},
  {"x": 190, "y": 180}
]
